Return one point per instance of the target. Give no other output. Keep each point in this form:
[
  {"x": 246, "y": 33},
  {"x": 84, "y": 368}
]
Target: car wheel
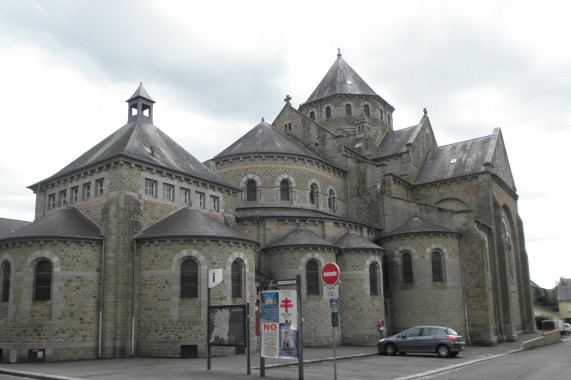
[
  {"x": 390, "y": 349},
  {"x": 443, "y": 351}
]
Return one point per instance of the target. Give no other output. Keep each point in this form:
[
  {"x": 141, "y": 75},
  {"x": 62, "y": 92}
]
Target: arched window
[
  {"x": 312, "y": 115},
  {"x": 236, "y": 279},
  {"x": 328, "y": 112},
  {"x": 348, "y": 109},
  {"x": 374, "y": 279},
  {"x": 312, "y": 277},
  {"x": 331, "y": 201},
  {"x": 437, "y": 275},
  {"x": 43, "y": 281},
  {"x": 6, "y": 273},
  {"x": 189, "y": 279},
  {"x": 366, "y": 110},
  {"x": 313, "y": 193},
  {"x": 407, "y": 268},
  {"x": 251, "y": 190},
  {"x": 284, "y": 190},
  {"x": 381, "y": 114}
]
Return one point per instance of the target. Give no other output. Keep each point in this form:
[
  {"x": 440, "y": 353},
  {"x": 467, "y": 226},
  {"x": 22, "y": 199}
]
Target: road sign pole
[{"x": 334, "y": 350}]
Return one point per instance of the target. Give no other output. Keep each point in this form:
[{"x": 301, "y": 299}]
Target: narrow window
[
  {"x": 200, "y": 199},
  {"x": 348, "y": 109},
  {"x": 87, "y": 190},
  {"x": 312, "y": 277},
  {"x": 251, "y": 189},
  {"x": 75, "y": 194},
  {"x": 236, "y": 279},
  {"x": 284, "y": 190},
  {"x": 43, "y": 281},
  {"x": 328, "y": 112},
  {"x": 52, "y": 201},
  {"x": 312, "y": 115},
  {"x": 150, "y": 187},
  {"x": 331, "y": 201},
  {"x": 63, "y": 198},
  {"x": 437, "y": 267},
  {"x": 385, "y": 274},
  {"x": 99, "y": 187},
  {"x": 6, "y": 273},
  {"x": 366, "y": 110},
  {"x": 374, "y": 279},
  {"x": 189, "y": 279},
  {"x": 214, "y": 203},
  {"x": 381, "y": 114},
  {"x": 313, "y": 192},
  {"x": 185, "y": 196},
  {"x": 168, "y": 192},
  {"x": 407, "y": 268}
]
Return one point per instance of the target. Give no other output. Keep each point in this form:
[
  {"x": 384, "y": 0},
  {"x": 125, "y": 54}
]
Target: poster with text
[{"x": 278, "y": 319}]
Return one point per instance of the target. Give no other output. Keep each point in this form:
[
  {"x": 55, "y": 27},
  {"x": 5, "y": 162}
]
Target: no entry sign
[{"x": 330, "y": 273}]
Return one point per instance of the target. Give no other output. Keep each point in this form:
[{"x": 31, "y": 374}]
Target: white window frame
[
  {"x": 168, "y": 192},
  {"x": 184, "y": 195},
  {"x": 215, "y": 203},
  {"x": 199, "y": 199},
  {"x": 99, "y": 187},
  {"x": 150, "y": 187}
]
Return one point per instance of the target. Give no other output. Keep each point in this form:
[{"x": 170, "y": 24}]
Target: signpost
[{"x": 330, "y": 277}]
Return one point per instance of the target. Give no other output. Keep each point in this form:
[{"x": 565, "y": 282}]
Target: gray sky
[{"x": 67, "y": 67}]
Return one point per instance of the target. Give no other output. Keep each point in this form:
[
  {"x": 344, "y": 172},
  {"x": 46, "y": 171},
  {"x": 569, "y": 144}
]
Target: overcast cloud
[{"x": 67, "y": 67}]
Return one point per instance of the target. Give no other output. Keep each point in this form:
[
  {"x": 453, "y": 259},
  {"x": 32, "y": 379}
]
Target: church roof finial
[{"x": 338, "y": 52}]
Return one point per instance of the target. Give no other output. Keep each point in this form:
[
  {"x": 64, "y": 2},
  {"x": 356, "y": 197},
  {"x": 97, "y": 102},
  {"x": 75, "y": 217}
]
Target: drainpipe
[
  {"x": 133, "y": 297},
  {"x": 464, "y": 293},
  {"x": 494, "y": 285},
  {"x": 101, "y": 293}
]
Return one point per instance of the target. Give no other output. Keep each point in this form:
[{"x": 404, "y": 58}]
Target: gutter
[{"x": 464, "y": 293}]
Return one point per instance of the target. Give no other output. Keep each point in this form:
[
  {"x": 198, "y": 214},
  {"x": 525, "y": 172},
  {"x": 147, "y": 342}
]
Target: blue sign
[{"x": 334, "y": 302}]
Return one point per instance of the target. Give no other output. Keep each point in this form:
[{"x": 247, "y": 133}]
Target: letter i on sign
[{"x": 214, "y": 277}]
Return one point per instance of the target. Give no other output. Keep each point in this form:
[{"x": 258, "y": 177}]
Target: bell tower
[{"x": 140, "y": 106}]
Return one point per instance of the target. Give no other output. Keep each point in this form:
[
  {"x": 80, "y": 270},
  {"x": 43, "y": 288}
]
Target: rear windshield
[{"x": 449, "y": 331}]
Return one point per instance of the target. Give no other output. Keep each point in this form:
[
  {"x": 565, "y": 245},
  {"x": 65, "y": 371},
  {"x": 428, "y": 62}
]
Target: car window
[
  {"x": 449, "y": 331},
  {"x": 413, "y": 332},
  {"x": 430, "y": 331}
]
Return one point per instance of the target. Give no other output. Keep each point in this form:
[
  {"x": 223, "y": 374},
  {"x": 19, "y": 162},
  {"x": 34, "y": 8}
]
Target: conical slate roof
[
  {"x": 142, "y": 141},
  {"x": 65, "y": 222},
  {"x": 341, "y": 79},
  {"x": 301, "y": 237},
  {"x": 190, "y": 222},
  {"x": 350, "y": 240},
  {"x": 8, "y": 226},
  {"x": 417, "y": 226},
  {"x": 267, "y": 139},
  {"x": 141, "y": 92}
]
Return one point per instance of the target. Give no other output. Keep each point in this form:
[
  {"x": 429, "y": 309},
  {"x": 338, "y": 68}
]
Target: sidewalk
[{"x": 222, "y": 367}]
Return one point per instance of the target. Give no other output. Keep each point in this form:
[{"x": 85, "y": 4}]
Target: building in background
[{"x": 115, "y": 263}]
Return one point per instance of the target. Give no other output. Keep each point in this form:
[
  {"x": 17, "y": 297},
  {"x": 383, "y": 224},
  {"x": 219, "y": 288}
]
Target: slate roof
[
  {"x": 417, "y": 226},
  {"x": 191, "y": 222},
  {"x": 301, "y": 236},
  {"x": 65, "y": 222},
  {"x": 395, "y": 142},
  {"x": 142, "y": 141},
  {"x": 267, "y": 139},
  {"x": 7, "y": 226},
  {"x": 455, "y": 160},
  {"x": 340, "y": 79},
  {"x": 140, "y": 91},
  {"x": 281, "y": 212},
  {"x": 351, "y": 241}
]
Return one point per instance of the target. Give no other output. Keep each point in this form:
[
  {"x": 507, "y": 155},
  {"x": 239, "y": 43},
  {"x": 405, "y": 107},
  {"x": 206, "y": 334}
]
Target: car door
[
  {"x": 428, "y": 339},
  {"x": 409, "y": 340}
]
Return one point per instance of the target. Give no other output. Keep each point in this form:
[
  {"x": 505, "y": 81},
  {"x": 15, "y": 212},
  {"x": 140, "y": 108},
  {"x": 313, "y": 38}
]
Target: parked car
[
  {"x": 443, "y": 341},
  {"x": 567, "y": 328}
]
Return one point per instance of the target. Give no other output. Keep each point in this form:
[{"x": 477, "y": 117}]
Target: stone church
[{"x": 115, "y": 263}]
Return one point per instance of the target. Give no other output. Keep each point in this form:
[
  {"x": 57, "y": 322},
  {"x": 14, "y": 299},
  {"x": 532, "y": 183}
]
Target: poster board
[
  {"x": 227, "y": 325},
  {"x": 278, "y": 319}
]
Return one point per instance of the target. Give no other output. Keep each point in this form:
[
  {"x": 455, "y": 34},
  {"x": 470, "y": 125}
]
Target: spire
[
  {"x": 338, "y": 52},
  {"x": 140, "y": 105}
]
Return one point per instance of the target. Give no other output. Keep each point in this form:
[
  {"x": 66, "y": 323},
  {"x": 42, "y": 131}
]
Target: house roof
[
  {"x": 395, "y": 142},
  {"x": 8, "y": 226},
  {"x": 455, "y": 160},
  {"x": 191, "y": 222},
  {"x": 267, "y": 139},
  {"x": 416, "y": 226},
  {"x": 282, "y": 212},
  {"x": 564, "y": 291},
  {"x": 300, "y": 236},
  {"x": 141, "y": 140},
  {"x": 341, "y": 79},
  {"x": 64, "y": 222},
  {"x": 352, "y": 241}
]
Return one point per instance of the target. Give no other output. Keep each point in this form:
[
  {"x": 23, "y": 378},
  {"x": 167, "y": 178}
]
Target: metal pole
[
  {"x": 334, "y": 350},
  {"x": 299, "y": 328},
  {"x": 207, "y": 324},
  {"x": 248, "y": 336}
]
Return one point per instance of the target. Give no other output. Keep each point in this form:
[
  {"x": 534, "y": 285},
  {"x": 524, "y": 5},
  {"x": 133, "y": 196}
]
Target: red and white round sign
[{"x": 330, "y": 273}]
